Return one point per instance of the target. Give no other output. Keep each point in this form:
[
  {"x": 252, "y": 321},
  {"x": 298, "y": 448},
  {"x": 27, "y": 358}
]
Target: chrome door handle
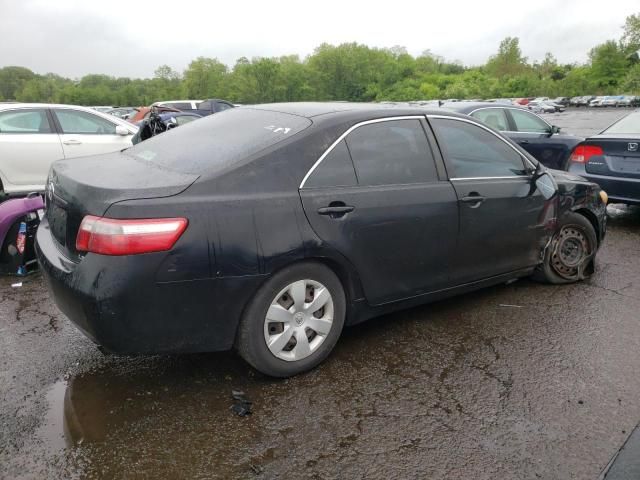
[
  {"x": 476, "y": 200},
  {"x": 72, "y": 142}
]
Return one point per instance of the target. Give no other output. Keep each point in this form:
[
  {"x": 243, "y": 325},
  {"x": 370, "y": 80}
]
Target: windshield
[
  {"x": 629, "y": 124},
  {"x": 218, "y": 141}
]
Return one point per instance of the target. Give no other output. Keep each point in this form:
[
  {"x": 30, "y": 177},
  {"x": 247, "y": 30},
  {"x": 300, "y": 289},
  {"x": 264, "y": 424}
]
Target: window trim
[
  {"x": 348, "y": 131},
  {"x": 492, "y": 132},
  {"x": 52, "y": 127}
]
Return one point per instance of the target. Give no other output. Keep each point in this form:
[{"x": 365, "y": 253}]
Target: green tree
[
  {"x": 631, "y": 34},
  {"x": 12, "y": 80},
  {"x": 608, "y": 64},
  {"x": 508, "y": 60},
  {"x": 204, "y": 78}
]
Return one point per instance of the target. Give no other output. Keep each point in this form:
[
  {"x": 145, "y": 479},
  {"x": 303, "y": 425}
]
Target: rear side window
[
  {"x": 494, "y": 117},
  {"x": 392, "y": 152},
  {"x": 77, "y": 122},
  {"x": 335, "y": 170},
  {"x": 24, "y": 121},
  {"x": 528, "y": 122},
  {"x": 473, "y": 152},
  {"x": 217, "y": 142}
]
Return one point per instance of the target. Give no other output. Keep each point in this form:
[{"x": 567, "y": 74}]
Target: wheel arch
[{"x": 593, "y": 220}]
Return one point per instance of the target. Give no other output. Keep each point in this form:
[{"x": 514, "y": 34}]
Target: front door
[
  {"x": 502, "y": 219},
  {"x": 391, "y": 216}
]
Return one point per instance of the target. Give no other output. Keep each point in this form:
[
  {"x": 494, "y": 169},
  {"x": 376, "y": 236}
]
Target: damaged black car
[{"x": 269, "y": 228}]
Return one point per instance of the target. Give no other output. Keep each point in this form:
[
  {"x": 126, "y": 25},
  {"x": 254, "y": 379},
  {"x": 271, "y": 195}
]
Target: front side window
[
  {"x": 24, "y": 121},
  {"x": 335, "y": 170},
  {"x": 78, "y": 122},
  {"x": 392, "y": 152},
  {"x": 473, "y": 152},
  {"x": 528, "y": 122},
  {"x": 494, "y": 117}
]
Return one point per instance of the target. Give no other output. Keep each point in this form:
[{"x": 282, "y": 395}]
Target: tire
[
  {"x": 578, "y": 238},
  {"x": 284, "y": 297}
]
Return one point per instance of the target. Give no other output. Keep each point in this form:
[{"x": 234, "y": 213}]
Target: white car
[{"x": 34, "y": 135}]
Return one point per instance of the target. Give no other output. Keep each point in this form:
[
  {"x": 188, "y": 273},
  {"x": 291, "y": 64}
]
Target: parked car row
[{"x": 606, "y": 101}]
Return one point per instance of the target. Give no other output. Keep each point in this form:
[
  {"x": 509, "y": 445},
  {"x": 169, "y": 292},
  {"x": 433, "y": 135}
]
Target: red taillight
[
  {"x": 582, "y": 153},
  {"x": 111, "y": 236}
]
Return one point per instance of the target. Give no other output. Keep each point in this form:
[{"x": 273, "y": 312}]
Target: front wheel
[
  {"x": 570, "y": 254},
  {"x": 294, "y": 320}
]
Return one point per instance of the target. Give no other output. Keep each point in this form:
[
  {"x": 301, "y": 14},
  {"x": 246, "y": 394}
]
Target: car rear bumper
[
  {"x": 619, "y": 189},
  {"x": 117, "y": 303}
]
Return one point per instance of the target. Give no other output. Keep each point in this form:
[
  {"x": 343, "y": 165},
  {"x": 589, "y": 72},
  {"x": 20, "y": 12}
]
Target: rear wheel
[
  {"x": 570, "y": 255},
  {"x": 294, "y": 320}
]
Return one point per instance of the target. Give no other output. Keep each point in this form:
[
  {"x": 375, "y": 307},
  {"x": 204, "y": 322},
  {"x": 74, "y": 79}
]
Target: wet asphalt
[{"x": 520, "y": 381}]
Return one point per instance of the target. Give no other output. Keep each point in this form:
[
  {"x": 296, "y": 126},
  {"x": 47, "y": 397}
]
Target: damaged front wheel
[{"x": 570, "y": 254}]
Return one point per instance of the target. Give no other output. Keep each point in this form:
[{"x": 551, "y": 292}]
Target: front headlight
[{"x": 604, "y": 197}]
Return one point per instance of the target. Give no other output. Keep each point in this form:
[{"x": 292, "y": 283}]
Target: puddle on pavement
[{"x": 51, "y": 431}]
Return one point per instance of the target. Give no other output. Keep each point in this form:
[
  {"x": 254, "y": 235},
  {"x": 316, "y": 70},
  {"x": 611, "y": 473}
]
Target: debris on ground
[{"x": 242, "y": 405}]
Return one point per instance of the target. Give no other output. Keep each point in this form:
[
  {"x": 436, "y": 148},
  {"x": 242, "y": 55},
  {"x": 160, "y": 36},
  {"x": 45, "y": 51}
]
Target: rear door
[
  {"x": 501, "y": 218},
  {"x": 83, "y": 133},
  {"x": 28, "y": 146},
  {"x": 533, "y": 134},
  {"x": 377, "y": 198}
]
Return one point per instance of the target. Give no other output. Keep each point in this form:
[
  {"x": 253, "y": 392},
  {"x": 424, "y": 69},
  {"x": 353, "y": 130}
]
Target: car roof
[
  {"x": 468, "y": 107},
  {"x": 313, "y": 110}
]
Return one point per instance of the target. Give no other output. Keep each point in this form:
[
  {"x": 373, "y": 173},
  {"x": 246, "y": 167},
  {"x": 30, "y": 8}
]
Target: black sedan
[
  {"x": 531, "y": 132},
  {"x": 269, "y": 228},
  {"x": 612, "y": 159}
]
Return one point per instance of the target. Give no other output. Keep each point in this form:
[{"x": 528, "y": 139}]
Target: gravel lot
[{"x": 520, "y": 381}]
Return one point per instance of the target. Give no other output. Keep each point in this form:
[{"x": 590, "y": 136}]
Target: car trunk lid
[
  {"x": 90, "y": 185},
  {"x": 621, "y": 156}
]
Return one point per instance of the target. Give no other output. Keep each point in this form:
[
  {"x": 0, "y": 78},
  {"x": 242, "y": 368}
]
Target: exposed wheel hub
[{"x": 570, "y": 252}]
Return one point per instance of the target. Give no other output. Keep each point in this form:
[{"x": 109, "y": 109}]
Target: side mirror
[
  {"x": 546, "y": 185},
  {"x": 553, "y": 130},
  {"x": 120, "y": 130}
]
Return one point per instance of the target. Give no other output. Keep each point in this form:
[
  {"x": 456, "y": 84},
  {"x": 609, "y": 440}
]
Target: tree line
[{"x": 352, "y": 72}]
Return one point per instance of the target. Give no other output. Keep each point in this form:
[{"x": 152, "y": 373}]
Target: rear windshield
[
  {"x": 629, "y": 124},
  {"x": 218, "y": 141}
]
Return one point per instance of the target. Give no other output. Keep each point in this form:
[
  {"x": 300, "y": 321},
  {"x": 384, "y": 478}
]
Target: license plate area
[
  {"x": 58, "y": 222},
  {"x": 625, "y": 165}
]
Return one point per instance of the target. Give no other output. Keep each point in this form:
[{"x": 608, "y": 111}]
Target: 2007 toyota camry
[{"x": 269, "y": 228}]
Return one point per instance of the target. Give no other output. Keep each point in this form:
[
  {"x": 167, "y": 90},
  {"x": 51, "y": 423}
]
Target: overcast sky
[{"x": 133, "y": 37}]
